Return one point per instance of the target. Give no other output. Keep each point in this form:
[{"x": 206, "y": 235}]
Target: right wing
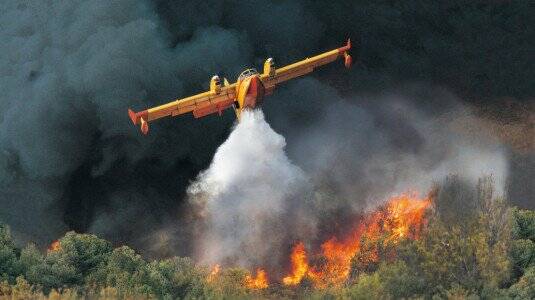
[{"x": 201, "y": 105}]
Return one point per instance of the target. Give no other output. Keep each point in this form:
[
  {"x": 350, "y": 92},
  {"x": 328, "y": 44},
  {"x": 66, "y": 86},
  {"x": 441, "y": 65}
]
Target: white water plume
[{"x": 253, "y": 197}]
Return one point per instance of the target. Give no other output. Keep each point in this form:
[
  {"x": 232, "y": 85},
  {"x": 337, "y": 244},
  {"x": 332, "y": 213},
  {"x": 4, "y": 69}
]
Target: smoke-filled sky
[{"x": 437, "y": 89}]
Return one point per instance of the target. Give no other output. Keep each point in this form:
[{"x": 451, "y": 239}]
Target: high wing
[
  {"x": 270, "y": 78},
  {"x": 217, "y": 99},
  {"x": 221, "y": 97}
]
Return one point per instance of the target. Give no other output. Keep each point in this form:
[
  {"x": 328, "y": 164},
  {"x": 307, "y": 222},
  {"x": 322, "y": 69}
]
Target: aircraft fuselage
[
  {"x": 246, "y": 93},
  {"x": 250, "y": 93}
]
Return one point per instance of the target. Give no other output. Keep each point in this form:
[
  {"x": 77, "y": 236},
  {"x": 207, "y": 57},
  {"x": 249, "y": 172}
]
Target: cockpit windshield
[{"x": 247, "y": 73}]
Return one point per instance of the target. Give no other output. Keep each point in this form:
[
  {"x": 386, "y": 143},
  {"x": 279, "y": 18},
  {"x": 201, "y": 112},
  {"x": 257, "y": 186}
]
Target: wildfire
[
  {"x": 213, "y": 273},
  {"x": 406, "y": 215},
  {"x": 299, "y": 265},
  {"x": 401, "y": 217},
  {"x": 260, "y": 281},
  {"x": 55, "y": 246}
]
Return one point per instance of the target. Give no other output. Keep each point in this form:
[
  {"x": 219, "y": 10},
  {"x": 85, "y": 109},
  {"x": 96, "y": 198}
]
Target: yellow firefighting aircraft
[{"x": 246, "y": 93}]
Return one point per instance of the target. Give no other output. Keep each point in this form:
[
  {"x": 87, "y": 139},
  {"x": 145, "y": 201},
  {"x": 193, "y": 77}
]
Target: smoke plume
[
  {"x": 254, "y": 202},
  {"x": 70, "y": 158},
  {"x": 253, "y": 197}
]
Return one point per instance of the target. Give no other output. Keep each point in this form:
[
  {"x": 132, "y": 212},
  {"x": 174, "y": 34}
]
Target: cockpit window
[{"x": 247, "y": 73}]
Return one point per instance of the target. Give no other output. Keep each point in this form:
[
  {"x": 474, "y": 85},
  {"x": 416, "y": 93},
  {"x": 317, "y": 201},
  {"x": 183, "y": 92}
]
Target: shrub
[
  {"x": 9, "y": 264},
  {"x": 525, "y": 287},
  {"x": 399, "y": 281},
  {"x": 177, "y": 278},
  {"x": 368, "y": 287}
]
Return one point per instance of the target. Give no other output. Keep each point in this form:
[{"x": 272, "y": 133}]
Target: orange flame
[
  {"x": 401, "y": 217},
  {"x": 299, "y": 265},
  {"x": 55, "y": 246},
  {"x": 260, "y": 281},
  {"x": 213, "y": 273},
  {"x": 406, "y": 216}
]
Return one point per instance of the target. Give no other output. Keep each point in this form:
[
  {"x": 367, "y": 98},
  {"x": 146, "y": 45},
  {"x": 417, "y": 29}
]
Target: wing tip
[
  {"x": 346, "y": 47},
  {"x": 144, "y": 126},
  {"x": 132, "y": 116},
  {"x": 141, "y": 118},
  {"x": 344, "y": 51},
  {"x": 348, "y": 61}
]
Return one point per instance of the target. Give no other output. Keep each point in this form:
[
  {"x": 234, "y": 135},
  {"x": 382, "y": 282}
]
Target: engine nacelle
[
  {"x": 269, "y": 67},
  {"x": 215, "y": 85}
]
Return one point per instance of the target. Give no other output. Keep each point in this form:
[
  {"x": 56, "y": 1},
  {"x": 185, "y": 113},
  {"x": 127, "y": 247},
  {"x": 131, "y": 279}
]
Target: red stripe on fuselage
[{"x": 255, "y": 94}]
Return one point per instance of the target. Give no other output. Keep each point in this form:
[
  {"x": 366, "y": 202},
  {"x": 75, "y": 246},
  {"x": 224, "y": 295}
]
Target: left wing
[
  {"x": 217, "y": 99},
  {"x": 272, "y": 77}
]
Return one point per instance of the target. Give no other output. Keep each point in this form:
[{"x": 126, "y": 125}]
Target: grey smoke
[
  {"x": 66, "y": 83},
  {"x": 71, "y": 159},
  {"x": 370, "y": 146},
  {"x": 255, "y": 202}
]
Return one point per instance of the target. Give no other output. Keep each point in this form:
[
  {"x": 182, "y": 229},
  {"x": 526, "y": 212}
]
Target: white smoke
[
  {"x": 366, "y": 153},
  {"x": 253, "y": 196},
  {"x": 255, "y": 202}
]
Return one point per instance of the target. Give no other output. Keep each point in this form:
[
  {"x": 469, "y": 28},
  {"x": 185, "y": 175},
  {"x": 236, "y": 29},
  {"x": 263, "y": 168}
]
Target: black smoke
[{"x": 71, "y": 159}]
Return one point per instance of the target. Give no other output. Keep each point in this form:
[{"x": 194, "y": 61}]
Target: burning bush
[
  {"x": 403, "y": 249},
  {"x": 371, "y": 241}
]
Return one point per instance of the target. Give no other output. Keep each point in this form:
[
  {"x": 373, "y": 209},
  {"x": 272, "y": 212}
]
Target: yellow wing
[
  {"x": 215, "y": 100},
  {"x": 271, "y": 76},
  {"x": 220, "y": 97}
]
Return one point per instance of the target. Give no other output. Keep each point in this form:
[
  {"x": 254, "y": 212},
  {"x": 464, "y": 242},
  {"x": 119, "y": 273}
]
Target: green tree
[
  {"x": 471, "y": 250},
  {"x": 457, "y": 292},
  {"x": 229, "y": 284},
  {"x": 30, "y": 261},
  {"x": 5, "y": 288},
  {"x": 523, "y": 246},
  {"x": 9, "y": 264},
  {"x": 524, "y": 224},
  {"x": 126, "y": 271},
  {"x": 399, "y": 280},
  {"x": 56, "y": 272},
  {"x": 493, "y": 232},
  {"x": 525, "y": 287},
  {"x": 449, "y": 257},
  {"x": 177, "y": 278},
  {"x": 523, "y": 255},
  {"x": 78, "y": 258},
  {"x": 22, "y": 289},
  {"x": 367, "y": 286},
  {"x": 86, "y": 252}
]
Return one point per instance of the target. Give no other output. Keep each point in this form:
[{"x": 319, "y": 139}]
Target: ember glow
[
  {"x": 401, "y": 217},
  {"x": 55, "y": 246}
]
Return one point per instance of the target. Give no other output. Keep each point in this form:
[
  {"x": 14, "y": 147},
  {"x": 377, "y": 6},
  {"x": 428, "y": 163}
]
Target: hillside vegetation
[{"x": 474, "y": 246}]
